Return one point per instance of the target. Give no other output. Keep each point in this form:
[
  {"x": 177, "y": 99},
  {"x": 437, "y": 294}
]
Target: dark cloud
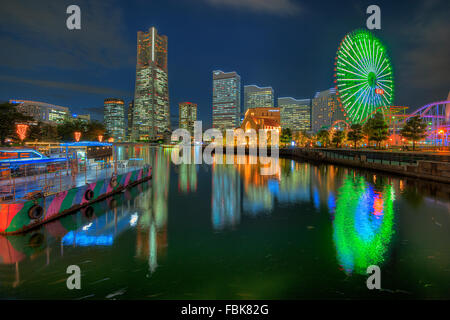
[
  {"x": 67, "y": 86},
  {"x": 37, "y": 35},
  {"x": 278, "y": 7}
]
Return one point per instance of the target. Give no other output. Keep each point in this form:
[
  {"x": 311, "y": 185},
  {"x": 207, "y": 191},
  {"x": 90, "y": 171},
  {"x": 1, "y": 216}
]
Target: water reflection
[
  {"x": 226, "y": 197},
  {"x": 220, "y": 217},
  {"x": 97, "y": 225},
  {"x": 363, "y": 224}
]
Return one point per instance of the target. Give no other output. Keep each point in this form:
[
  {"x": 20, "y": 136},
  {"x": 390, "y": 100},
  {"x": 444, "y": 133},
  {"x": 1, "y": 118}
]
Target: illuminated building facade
[
  {"x": 85, "y": 118},
  {"x": 295, "y": 114},
  {"x": 130, "y": 118},
  {"x": 151, "y": 114},
  {"x": 255, "y": 97},
  {"x": 41, "y": 111},
  {"x": 226, "y": 100},
  {"x": 325, "y": 110},
  {"x": 262, "y": 118},
  {"x": 187, "y": 114},
  {"x": 114, "y": 118}
]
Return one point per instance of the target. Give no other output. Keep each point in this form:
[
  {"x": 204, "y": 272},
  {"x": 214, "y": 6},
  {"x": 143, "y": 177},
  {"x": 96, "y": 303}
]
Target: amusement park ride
[{"x": 365, "y": 85}]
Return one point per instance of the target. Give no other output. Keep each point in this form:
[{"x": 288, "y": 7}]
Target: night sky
[{"x": 285, "y": 44}]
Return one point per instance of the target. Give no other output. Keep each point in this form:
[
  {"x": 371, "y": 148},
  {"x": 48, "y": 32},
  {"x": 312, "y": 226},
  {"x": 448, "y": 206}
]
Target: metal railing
[{"x": 28, "y": 182}]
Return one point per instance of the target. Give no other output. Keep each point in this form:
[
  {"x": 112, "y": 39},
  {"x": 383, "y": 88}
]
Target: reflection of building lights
[
  {"x": 86, "y": 227},
  {"x": 83, "y": 240},
  {"x": 22, "y": 131},
  {"x": 77, "y": 135},
  {"x": 133, "y": 219}
]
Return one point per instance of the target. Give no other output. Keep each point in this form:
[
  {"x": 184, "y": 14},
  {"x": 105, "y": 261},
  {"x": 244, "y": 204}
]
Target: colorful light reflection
[{"x": 363, "y": 224}]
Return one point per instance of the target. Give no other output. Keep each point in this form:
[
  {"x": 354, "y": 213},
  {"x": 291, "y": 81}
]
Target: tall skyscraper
[
  {"x": 114, "y": 118},
  {"x": 226, "y": 100},
  {"x": 256, "y": 97},
  {"x": 187, "y": 114},
  {"x": 151, "y": 114},
  {"x": 130, "y": 119},
  {"x": 295, "y": 114},
  {"x": 325, "y": 110}
]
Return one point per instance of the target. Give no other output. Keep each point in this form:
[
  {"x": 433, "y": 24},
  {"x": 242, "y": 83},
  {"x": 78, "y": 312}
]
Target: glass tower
[
  {"x": 226, "y": 100},
  {"x": 295, "y": 114},
  {"x": 114, "y": 118},
  {"x": 325, "y": 110},
  {"x": 187, "y": 114},
  {"x": 256, "y": 97},
  {"x": 151, "y": 114}
]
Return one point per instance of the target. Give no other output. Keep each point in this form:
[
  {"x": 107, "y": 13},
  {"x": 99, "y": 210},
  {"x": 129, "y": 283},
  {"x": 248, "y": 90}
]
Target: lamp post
[{"x": 100, "y": 138}]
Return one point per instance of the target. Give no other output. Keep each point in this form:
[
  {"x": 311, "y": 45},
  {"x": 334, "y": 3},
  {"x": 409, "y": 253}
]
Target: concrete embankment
[
  {"x": 418, "y": 165},
  {"x": 430, "y": 166}
]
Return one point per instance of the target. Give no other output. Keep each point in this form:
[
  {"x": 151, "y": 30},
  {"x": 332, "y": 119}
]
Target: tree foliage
[
  {"x": 338, "y": 138},
  {"x": 323, "y": 136},
  {"x": 377, "y": 129},
  {"x": 286, "y": 136},
  {"x": 89, "y": 131},
  {"x": 414, "y": 129},
  {"x": 355, "y": 134},
  {"x": 9, "y": 117}
]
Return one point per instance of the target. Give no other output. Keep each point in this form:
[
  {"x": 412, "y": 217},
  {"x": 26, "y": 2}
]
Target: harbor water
[{"x": 225, "y": 231}]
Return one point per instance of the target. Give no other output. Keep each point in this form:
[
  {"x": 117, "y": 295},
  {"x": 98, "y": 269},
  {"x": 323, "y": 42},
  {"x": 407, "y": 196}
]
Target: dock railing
[{"x": 28, "y": 182}]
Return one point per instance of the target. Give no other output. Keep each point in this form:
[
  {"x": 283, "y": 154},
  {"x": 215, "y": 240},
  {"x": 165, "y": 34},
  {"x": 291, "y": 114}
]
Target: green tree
[
  {"x": 9, "y": 116},
  {"x": 302, "y": 138},
  {"x": 414, "y": 129},
  {"x": 355, "y": 134},
  {"x": 338, "y": 138},
  {"x": 43, "y": 132},
  {"x": 324, "y": 137},
  {"x": 377, "y": 129},
  {"x": 95, "y": 129},
  {"x": 67, "y": 128},
  {"x": 286, "y": 136}
]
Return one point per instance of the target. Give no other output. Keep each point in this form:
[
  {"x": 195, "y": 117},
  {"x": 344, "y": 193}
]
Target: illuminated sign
[{"x": 379, "y": 91}]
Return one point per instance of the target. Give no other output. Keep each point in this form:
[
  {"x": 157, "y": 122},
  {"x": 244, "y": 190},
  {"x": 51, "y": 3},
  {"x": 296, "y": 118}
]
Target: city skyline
[{"x": 308, "y": 70}]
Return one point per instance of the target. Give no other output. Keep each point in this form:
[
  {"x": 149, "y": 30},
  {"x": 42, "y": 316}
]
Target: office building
[
  {"x": 256, "y": 97},
  {"x": 41, "y": 111},
  {"x": 114, "y": 118},
  {"x": 187, "y": 116},
  {"x": 226, "y": 100},
  {"x": 151, "y": 112},
  {"x": 84, "y": 118},
  {"x": 325, "y": 110},
  {"x": 295, "y": 114},
  {"x": 130, "y": 119}
]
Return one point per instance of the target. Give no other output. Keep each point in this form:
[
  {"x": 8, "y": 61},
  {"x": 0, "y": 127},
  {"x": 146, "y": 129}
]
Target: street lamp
[{"x": 100, "y": 138}]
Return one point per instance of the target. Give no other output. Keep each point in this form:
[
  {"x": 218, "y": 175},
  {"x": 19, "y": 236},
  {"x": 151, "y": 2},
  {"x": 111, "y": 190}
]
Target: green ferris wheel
[{"x": 363, "y": 76}]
